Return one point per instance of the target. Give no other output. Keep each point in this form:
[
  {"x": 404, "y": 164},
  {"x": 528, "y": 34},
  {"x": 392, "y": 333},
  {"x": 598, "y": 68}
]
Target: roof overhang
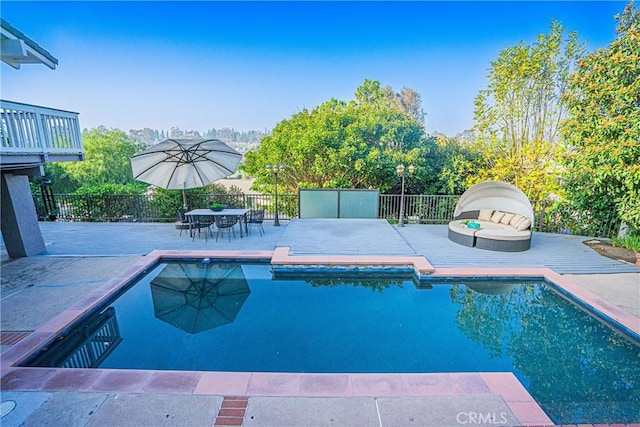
[{"x": 17, "y": 49}]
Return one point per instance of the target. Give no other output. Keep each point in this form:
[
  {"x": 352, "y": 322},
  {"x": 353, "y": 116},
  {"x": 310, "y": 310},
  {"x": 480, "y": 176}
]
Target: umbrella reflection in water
[
  {"x": 491, "y": 287},
  {"x": 196, "y": 297}
]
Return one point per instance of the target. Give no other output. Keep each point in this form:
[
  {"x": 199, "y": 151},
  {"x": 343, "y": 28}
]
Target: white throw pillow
[
  {"x": 515, "y": 219},
  {"x": 485, "y": 214},
  {"x": 497, "y": 216},
  {"x": 523, "y": 224},
  {"x": 506, "y": 219}
]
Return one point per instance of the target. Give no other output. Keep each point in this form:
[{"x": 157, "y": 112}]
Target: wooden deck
[{"x": 562, "y": 253}]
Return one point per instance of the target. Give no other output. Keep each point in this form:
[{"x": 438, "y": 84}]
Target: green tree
[
  {"x": 517, "y": 118},
  {"x": 341, "y": 145},
  {"x": 457, "y": 161},
  {"x": 602, "y": 132},
  {"x": 407, "y": 100},
  {"x": 107, "y": 154},
  {"x": 62, "y": 182}
]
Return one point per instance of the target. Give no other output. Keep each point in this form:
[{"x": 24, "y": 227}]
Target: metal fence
[
  {"x": 560, "y": 218},
  {"x": 419, "y": 209},
  {"x": 149, "y": 208}
]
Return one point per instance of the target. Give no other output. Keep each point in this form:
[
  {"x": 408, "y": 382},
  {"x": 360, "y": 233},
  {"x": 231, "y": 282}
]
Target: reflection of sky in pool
[{"x": 576, "y": 368}]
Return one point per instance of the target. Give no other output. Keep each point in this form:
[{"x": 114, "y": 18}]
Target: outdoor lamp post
[
  {"x": 274, "y": 170},
  {"x": 401, "y": 173}
]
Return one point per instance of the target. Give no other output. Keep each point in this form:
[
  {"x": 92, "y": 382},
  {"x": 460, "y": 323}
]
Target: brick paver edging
[{"x": 232, "y": 411}]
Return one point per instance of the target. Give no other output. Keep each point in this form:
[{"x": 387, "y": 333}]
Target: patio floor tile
[{"x": 274, "y": 384}]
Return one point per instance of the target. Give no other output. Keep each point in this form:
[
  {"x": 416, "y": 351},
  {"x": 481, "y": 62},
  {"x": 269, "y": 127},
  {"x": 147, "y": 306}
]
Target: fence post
[
  {"x": 88, "y": 202},
  {"x": 541, "y": 216}
]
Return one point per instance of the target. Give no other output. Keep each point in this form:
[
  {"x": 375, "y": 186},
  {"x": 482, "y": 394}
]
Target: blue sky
[{"x": 249, "y": 65}]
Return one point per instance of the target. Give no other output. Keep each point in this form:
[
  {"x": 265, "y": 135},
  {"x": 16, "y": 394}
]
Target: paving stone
[
  {"x": 67, "y": 409},
  {"x": 309, "y": 412},
  {"x": 26, "y": 403},
  {"x": 444, "y": 411},
  {"x": 156, "y": 410}
]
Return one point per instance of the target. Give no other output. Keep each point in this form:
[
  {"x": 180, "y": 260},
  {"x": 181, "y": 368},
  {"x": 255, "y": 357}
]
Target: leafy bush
[
  {"x": 563, "y": 217},
  {"x": 102, "y": 189},
  {"x": 164, "y": 203},
  {"x": 109, "y": 202},
  {"x": 631, "y": 242}
]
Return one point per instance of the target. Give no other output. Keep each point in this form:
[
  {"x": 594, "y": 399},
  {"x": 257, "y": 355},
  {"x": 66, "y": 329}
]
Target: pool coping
[{"x": 503, "y": 384}]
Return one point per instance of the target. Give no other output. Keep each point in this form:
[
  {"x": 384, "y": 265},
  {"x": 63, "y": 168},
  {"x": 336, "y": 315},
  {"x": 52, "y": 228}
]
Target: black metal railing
[
  {"x": 418, "y": 209},
  {"x": 562, "y": 219},
  {"x": 148, "y": 208},
  {"x": 421, "y": 209}
]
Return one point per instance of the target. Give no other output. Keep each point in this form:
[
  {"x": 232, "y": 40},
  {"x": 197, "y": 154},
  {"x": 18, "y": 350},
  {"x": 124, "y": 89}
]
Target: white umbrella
[{"x": 178, "y": 164}]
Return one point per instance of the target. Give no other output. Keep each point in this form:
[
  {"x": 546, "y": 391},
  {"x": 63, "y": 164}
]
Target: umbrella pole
[{"x": 184, "y": 199}]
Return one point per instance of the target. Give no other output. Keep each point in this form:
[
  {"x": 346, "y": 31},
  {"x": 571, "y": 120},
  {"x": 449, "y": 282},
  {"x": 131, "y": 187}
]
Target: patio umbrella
[
  {"x": 178, "y": 164},
  {"x": 197, "y": 297}
]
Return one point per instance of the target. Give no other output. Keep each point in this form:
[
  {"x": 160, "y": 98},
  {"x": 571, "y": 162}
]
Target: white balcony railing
[{"x": 30, "y": 130}]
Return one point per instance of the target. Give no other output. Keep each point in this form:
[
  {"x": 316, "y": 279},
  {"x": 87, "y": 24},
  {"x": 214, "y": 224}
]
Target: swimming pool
[{"x": 577, "y": 369}]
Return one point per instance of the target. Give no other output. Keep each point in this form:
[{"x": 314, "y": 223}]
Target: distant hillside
[{"x": 239, "y": 140}]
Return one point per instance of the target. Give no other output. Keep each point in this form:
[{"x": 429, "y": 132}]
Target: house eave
[{"x": 18, "y": 49}]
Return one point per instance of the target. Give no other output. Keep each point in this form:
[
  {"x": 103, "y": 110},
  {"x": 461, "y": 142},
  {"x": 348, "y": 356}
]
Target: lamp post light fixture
[
  {"x": 274, "y": 170},
  {"x": 401, "y": 173}
]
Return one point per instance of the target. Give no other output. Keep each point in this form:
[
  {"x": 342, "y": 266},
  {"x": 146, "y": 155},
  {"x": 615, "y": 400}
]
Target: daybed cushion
[
  {"x": 523, "y": 224},
  {"x": 457, "y": 227},
  {"x": 497, "y": 216},
  {"x": 503, "y": 234},
  {"x": 506, "y": 219},
  {"x": 492, "y": 230},
  {"x": 490, "y": 225},
  {"x": 485, "y": 214},
  {"x": 515, "y": 219}
]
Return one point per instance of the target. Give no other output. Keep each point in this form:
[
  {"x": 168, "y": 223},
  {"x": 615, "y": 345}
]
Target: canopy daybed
[{"x": 493, "y": 215}]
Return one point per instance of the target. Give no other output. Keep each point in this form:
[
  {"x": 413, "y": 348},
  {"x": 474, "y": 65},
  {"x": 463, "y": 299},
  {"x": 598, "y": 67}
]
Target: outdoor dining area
[
  {"x": 181, "y": 164},
  {"x": 222, "y": 219}
]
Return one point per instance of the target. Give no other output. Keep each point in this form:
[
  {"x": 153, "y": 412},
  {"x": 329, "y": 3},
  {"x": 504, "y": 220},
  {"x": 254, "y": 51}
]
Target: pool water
[{"x": 235, "y": 317}]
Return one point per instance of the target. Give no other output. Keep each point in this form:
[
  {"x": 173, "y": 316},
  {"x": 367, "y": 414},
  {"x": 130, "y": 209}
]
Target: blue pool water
[{"x": 233, "y": 317}]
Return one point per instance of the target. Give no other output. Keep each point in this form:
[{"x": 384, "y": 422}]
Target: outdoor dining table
[{"x": 233, "y": 212}]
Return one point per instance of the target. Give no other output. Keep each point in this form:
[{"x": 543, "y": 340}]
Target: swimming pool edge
[{"x": 524, "y": 407}]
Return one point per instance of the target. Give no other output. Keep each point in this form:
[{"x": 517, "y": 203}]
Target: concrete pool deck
[{"x": 65, "y": 277}]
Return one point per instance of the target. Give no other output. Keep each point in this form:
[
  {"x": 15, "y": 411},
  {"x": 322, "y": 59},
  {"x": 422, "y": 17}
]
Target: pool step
[{"x": 284, "y": 261}]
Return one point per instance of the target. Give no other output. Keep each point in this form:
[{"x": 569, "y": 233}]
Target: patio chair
[
  {"x": 183, "y": 222},
  {"x": 225, "y": 223},
  {"x": 198, "y": 224},
  {"x": 256, "y": 218}
]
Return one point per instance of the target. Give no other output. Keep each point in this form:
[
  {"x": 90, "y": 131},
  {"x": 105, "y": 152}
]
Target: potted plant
[{"x": 216, "y": 207}]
